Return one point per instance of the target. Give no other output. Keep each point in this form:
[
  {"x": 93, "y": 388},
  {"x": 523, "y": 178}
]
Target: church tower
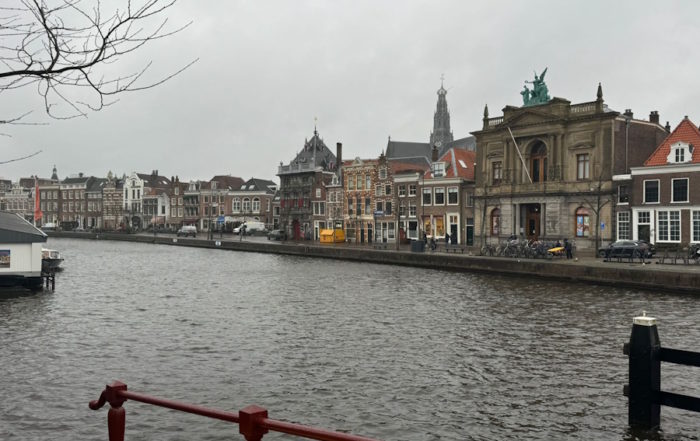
[
  {"x": 54, "y": 175},
  {"x": 441, "y": 133}
]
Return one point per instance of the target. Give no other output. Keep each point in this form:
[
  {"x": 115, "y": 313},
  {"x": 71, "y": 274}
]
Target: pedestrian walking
[
  {"x": 567, "y": 248},
  {"x": 447, "y": 238}
]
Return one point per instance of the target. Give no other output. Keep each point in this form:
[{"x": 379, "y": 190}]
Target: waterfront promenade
[{"x": 651, "y": 275}]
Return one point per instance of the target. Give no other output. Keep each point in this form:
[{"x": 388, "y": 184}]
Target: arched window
[
  {"x": 583, "y": 223},
  {"x": 236, "y": 205},
  {"x": 256, "y": 205},
  {"x": 495, "y": 222},
  {"x": 246, "y": 204},
  {"x": 538, "y": 162}
]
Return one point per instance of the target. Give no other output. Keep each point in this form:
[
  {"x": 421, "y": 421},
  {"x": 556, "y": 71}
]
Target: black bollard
[{"x": 644, "y": 374}]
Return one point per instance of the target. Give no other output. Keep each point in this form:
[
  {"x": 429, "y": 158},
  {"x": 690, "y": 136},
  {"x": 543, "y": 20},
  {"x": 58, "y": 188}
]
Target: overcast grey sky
[{"x": 367, "y": 70}]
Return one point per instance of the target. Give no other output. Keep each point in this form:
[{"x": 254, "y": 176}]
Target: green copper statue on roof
[{"x": 539, "y": 93}]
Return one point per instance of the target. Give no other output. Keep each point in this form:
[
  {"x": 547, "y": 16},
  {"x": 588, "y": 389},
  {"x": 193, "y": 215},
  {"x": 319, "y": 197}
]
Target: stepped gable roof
[
  {"x": 687, "y": 132},
  {"x": 227, "y": 182},
  {"x": 15, "y": 229},
  {"x": 317, "y": 153}
]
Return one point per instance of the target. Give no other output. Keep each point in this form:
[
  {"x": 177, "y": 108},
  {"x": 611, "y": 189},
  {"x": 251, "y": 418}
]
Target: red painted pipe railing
[{"x": 252, "y": 421}]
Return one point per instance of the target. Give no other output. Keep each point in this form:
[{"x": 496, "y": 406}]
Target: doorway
[{"x": 532, "y": 221}]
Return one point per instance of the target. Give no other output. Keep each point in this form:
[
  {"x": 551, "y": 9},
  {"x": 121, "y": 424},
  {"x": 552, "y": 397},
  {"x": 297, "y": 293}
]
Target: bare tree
[{"x": 72, "y": 53}]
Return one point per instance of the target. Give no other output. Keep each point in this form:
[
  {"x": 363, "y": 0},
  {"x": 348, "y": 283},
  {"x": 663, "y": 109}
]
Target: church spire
[
  {"x": 441, "y": 133},
  {"x": 54, "y": 175}
]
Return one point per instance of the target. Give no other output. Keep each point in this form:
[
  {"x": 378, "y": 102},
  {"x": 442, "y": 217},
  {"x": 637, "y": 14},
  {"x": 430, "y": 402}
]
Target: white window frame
[
  {"x": 412, "y": 189},
  {"x": 687, "y": 191},
  {"x": 378, "y": 189},
  {"x": 695, "y": 226},
  {"x": 667, "y": 221},
  {"x": 453, "y": 190},
  {"x": 440, "y": 190},
  {"x": 428, "y": 191},
  {"x": 658, "y": 191},
  {"x": 438, "y": 169},
  {"x": 402, "y": 190},
  {"x": 620, "y": 222},
  {"x": 382, "y": 173}
]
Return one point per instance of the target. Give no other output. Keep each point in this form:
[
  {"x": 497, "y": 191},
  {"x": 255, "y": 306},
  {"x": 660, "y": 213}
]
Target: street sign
[
  {"x": 220, "y": 219},
  {"x": 378, "y": 213},
  {"x": 602, "y": 225}
]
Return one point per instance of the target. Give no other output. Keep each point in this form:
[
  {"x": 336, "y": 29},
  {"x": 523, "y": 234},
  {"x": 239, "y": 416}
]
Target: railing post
[
  {"x": 248, "y": 422},
  {"x": 644, "y": 374},
  {"x": 116, "y": 417}
]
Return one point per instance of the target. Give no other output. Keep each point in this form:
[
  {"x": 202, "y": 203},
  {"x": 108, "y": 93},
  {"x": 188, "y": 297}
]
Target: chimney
[
  {"x": 668, "y": 127},
  {"x": 654, "y": 116},
  {"x": 339, "y": 153},
  {"x": 435, "y": 154},
  {"x": 80, "y": 175},
  {"x": 628, "y": 113}
]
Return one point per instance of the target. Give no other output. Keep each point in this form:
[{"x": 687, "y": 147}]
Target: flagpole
[{"x": 517, "y": 149}]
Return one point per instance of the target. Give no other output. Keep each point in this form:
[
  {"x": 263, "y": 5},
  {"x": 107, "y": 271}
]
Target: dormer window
[
  {"x": 680, "y": 153},
  {"x": 438, "y": 169}
]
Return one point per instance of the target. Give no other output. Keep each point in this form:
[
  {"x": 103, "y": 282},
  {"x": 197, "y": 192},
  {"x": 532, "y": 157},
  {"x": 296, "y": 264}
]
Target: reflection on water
[{"x": 389, "y": 352}]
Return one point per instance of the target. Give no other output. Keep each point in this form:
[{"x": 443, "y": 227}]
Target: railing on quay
[
  {"x": 644, "y": 388},
  {"x": 252, "y": 421}
]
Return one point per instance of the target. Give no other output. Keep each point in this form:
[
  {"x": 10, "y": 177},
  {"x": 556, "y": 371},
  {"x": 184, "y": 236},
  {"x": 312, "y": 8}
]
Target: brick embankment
[{"x": 651, "y": 276}]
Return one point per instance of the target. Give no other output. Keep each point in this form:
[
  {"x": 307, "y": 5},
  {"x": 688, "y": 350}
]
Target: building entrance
[{"x": 532, "y": 221}]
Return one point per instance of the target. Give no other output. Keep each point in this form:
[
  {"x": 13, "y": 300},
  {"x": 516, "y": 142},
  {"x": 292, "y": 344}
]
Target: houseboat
[{"x": 20, "y": 252}]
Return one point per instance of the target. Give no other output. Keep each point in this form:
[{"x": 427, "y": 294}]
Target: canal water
[{"x": 394, "y": 353}]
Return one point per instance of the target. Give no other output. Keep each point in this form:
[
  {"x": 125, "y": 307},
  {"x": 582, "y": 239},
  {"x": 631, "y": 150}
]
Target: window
[
  {"x": 350, "y": 209},
  {"x": 256, "y": 205},
  {"x": 438, "y": 169},
  {"x": 427, "y": 196},
  {"x": 669, "y": 226},
  {"x": 696, "y": 227},
  {"x": 412, "y": 190},
  {"x": 359, "y": 183},
  {"x": 236, "y": 205},
  {"x": 402, "y": 191},
  {"x": 382, "y": 173},
  {"x": 623, "y": 226},
  {"x": 402, "y": 211},
  {"x": 496, "y": 172},
  {"x": 388, "y": 207},
  {"x": 411, "y": 209},
  {"x": 378, "y": 190},
  {"x": 246, "y": 204},
  {"x": 319, "y": 208},
  {"x": 380, "y": 206},
  {"x": 495, "y": 222},
  {"x": 391, "y": 231},
  {"x": 368, "y": 182},
  {"x": 387, "y": 189},
  {"x": 368, "y": 206},
  {"x": 622, "y": 195},
  {"x": 206, "y": 199},
  {"x": 538, "y": 162},
  {"x": 583, "y": 166},
  {"x": 177, "y": 190},
  {"x": 680, "y": 155},
  {"x": 583, "y": 223},
  {"x": 351, "y": 183},
  {"x": 318, "y": 193},
  {"x": 470, "y": 199},
  {"x": 358, "y": 204},
  {"x": 452, "y": 196},
  {"x": 651, "y": 192},
  {"x": 680, "y": 190},
  {"x": 440, "y": 196}
]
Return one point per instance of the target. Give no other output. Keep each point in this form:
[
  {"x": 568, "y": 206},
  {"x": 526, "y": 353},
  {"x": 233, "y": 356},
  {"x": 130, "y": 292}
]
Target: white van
[
  {"x": 250, "y": 227},
  {"x": 187, "y": 230}
]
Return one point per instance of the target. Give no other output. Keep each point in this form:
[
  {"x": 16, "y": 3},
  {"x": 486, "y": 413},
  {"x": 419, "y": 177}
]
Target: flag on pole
[{"x": 38, "y": 214}]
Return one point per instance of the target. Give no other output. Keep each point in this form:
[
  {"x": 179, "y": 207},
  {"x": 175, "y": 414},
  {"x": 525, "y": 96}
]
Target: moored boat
[{"x": 50, "y": 260}]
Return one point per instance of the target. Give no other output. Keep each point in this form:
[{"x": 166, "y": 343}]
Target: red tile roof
[
  {"x": 458, "y": 163},
  {"x": 405, "y": 167},
  {"x": 686, "y": 131}
]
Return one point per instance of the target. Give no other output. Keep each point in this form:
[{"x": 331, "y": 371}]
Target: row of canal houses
[{"x": 545, "y": 170}]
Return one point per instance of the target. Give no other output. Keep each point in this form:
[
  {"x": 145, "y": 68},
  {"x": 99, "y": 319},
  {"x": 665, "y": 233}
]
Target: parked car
[
  {"x": 277, "y": 235},
  {"x": 187, "y": 230},
  {"x": 627, "y": 248}
]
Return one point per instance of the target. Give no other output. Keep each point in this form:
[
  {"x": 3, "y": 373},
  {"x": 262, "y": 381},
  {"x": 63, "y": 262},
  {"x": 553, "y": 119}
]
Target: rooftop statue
[{"x": 539, "y": 93}]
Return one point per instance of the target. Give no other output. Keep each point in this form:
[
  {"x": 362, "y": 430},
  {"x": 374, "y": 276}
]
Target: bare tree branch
[
  {"x": 19, "y": 159},
  {"x": 64, "y": 47}
]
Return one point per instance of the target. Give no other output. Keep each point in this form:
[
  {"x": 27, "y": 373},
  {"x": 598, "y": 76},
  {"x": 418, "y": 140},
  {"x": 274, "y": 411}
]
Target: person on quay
[{"x": 567, "y": 248}]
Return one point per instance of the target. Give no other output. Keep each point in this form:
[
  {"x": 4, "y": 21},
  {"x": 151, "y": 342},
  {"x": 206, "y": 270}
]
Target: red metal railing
[{"x": 252, "y": 421}]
